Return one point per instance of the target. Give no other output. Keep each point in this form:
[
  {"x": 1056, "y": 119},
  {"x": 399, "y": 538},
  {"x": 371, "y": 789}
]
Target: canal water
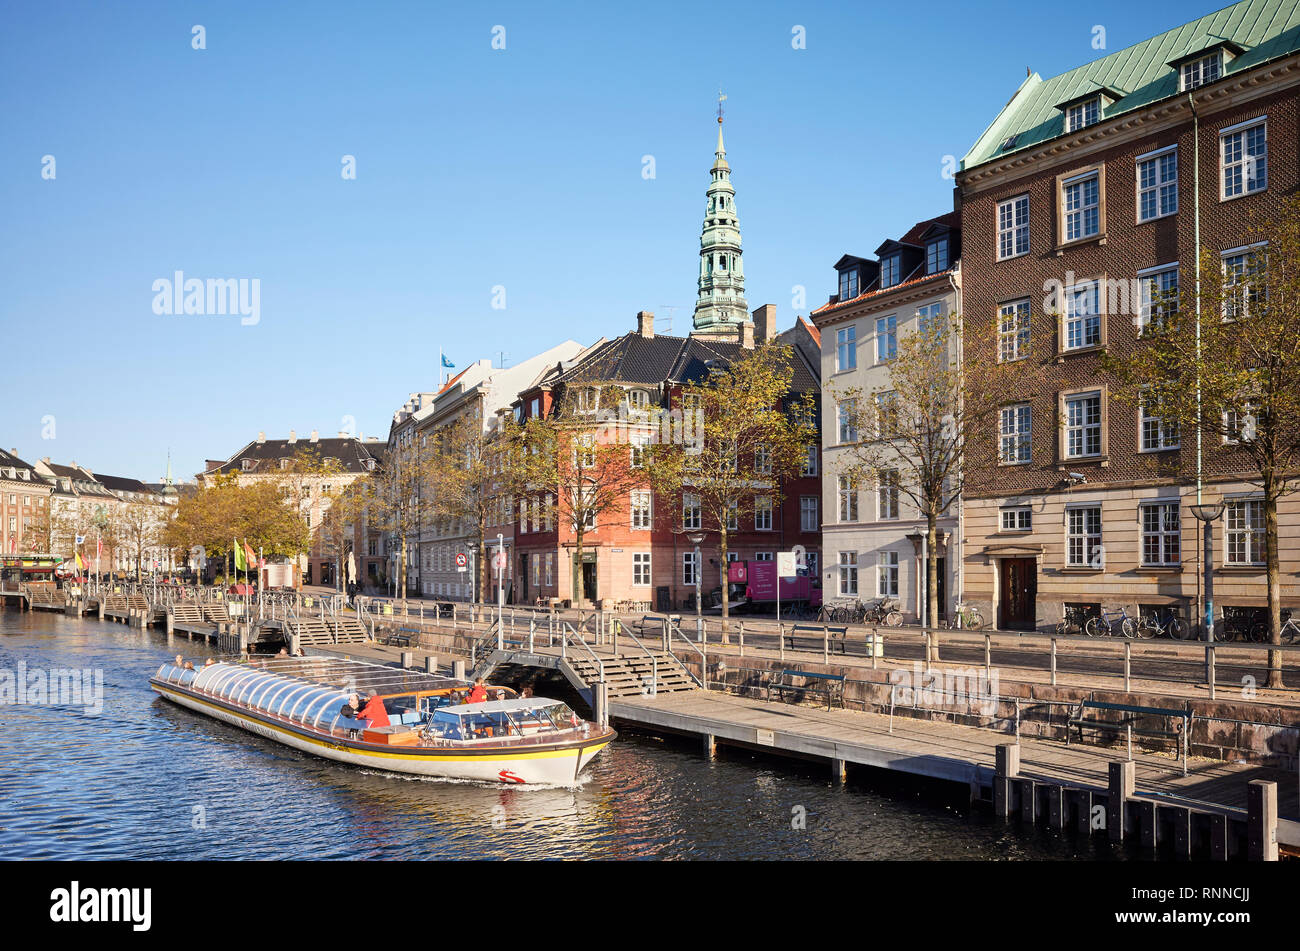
[{"x": 144, "y": 779}]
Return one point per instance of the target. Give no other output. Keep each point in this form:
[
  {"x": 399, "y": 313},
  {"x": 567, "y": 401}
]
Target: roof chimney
[
  {"x": 765, "y": 323},
  {"x": 293, "y": 437},
  {"x": 315, "y": 436},
  {"x": 747, "y": 335},
  {"x": 261, "y": 438},
  {"x": 645, "y": 324}
]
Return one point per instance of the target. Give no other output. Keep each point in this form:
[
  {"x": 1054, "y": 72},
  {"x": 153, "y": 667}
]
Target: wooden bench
[
  {"x": 1080, "y": 720},
  {"x": 403, "y": 637},
  {"x": 818, "y": 633},
  {"x": 831, "y": 685}
]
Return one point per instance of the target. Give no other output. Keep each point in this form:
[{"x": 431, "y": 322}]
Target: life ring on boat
[{"x": 574, "y": 720}]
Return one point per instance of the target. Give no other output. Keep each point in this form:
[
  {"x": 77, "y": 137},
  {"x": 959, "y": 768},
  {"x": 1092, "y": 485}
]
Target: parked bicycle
[
  {"x": 1241, "y": 624},
  {"x": 882, "y": 611},
  {"x": 1073, "y": 622},
  {"x": 1291, "y": 629},
  {"x": 966, "y": 616},
  {"x": 1167, "y": 624},
  {"x": 1103, "y": 624}
]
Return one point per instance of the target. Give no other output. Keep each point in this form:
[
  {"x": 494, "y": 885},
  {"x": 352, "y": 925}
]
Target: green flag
[{"x": 241, "y": 563}]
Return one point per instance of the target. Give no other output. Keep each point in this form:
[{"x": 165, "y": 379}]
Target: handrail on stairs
[
  {"x": 669, "y": 630},
  {"x": 654, "y": 661},
  {"x": 564, "y": 640}
]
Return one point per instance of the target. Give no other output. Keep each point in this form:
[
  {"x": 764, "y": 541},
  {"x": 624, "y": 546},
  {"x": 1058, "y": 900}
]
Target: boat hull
[{"x": 552, "y": 765}]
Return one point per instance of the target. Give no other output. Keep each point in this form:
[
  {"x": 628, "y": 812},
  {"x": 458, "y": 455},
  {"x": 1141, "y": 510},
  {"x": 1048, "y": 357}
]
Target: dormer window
[
  {"x": 588, "y": 399},
  {"x": 248, "y": 465},
  {"x": 888, "y": 271},
  {"x": 936, "y": 255},
  {"x": 1083, "y": 114},
  {"x": 638, "y": 399},
  {"x": 1201, "y": 71},
  {"x": 848, "y": 283}
]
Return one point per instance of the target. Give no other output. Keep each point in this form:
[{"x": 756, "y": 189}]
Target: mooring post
[
  {"x": 600, "y": 702},
  {"x": 838, "y": 770},
  {"x": 1146, "y": 816},
  {"x": 1218, "y": 837},
  {"x": 1261, "y": 820},
  {"x": 710, "y": 745},
  {"x": 1182, "y": 816},
  {"x": 1005, "y": 771},
  {"x": 458, "y": 669},
  {"x": 1122, "y": 785},
  {"x": 431, "y": 664},
  {"x": 408, "y": 660},
  {"x": 1058, "y": 807}
]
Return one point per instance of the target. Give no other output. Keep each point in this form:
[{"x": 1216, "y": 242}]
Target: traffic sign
[
  {"x": 461, "y": 559},
  {"x": 499, "y": 559}
]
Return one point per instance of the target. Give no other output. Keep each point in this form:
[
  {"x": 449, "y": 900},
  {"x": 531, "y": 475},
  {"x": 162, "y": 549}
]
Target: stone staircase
[
  {"x": 322, "y": 632},
  {"x": 631, "y": 675}
]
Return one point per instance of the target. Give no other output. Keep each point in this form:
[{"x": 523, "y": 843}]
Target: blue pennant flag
[{"x": 447, "y": 363}]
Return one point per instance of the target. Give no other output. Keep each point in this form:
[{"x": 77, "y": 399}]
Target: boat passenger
[
  {"x": 479, "y": 693},
  {"x": 189, "y": 665},
  {"x": 209, "y": 662},
  {"x": 352, "y": 708},
  {"x": 180, "y": 661},
  {"x": 374, "y": 712}
]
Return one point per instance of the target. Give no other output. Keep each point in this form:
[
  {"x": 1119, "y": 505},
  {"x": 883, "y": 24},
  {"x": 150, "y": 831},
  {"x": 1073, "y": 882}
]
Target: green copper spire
[{"x": 721, "y": 299}]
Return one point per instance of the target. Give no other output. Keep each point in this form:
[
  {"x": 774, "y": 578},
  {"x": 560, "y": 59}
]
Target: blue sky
[{"x": 475, "y": 168}]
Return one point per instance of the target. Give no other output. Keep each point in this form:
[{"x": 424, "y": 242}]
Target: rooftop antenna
[
  {"x": 502, "y": 359},
  {"x": 668, "y": 324}
]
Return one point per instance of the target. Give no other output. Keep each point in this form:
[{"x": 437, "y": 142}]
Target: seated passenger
[
  {"x": 352, "y": 708},
  {"x": 479, "y": 693},
  {"x": 374, "y": 712}
]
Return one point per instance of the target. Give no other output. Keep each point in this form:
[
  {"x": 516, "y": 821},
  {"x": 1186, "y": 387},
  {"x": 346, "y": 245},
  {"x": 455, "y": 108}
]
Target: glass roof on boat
[
  {"x": 340, "y": 673},
  {"x": 514, "y": 705}
]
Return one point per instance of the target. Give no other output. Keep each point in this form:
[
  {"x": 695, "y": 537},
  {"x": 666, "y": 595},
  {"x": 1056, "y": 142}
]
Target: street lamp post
[
  {"x": 695, "y": 539},
  {"x": 1207, "y": 514}
]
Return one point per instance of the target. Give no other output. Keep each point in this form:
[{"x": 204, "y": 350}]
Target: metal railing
[{"x": 618, "y": 625}]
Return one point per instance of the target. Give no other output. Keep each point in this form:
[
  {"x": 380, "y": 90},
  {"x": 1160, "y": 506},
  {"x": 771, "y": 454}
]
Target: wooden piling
[
  {"x": 1122, "y": 777},
  {"x": 1261, "y": 821},
  {"x": 1005, "y": 771}
]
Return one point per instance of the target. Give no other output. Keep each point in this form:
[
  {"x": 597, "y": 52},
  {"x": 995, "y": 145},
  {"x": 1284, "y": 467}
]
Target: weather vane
[{"x": 721, "y": 100}]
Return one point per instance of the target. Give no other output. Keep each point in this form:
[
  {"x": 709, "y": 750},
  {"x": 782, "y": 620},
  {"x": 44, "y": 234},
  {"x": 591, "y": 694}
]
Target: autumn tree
[
  {"x": 577, "y": 465},
  {"x": 908, "y": 434},
  {"x": 397, "y": 500},
  {"x": 743, "y": 434},
  {"x": 1226, "y": 368}
]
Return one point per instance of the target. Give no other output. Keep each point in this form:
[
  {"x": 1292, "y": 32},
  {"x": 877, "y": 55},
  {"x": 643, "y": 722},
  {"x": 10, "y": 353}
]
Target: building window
[
  {"x": 733, "y": 516},
  {"x": 887, "y": 495},
  {"x": 762, "y": 513},
  {"x": 848, "y": 283},
  {"x": 809, "y": 467},
  {"x": 929, "y": 320},
  {"x": 1157, "y": 184},
  {"x": 549, "y": 566},
  {"x": 1160, "y": 534},
  {"x": 1159, "y": 295},
  {"x": 887, "y": 575},
  {"x": 763, "y": 460},
  {"x": 1083, "y": 425},
  {"x": 888, "y": 271},
  {"x": 1245, "y": 532},
  {"x": 637, "y": 451},
  {"x": 848, "y": 494},
  {"x": 638, "y": 399},
  {"x": 808, "y": 513},
  {"x": 763, "y": 556},
  {"x": 1238, "y": 424},
  {"x": 886, "y": 338},
  {"x": 847, "y": 410},
  {"x": 640, "y": 509},
  {"x": 1081, "y": 202},
  {"x": 936, "y": 256},
  {"x": 1082, "y": 315},
  {"x": 846, "y": 349},
  {"x": 688, "y": 568},
  {"x": 537, "y": 572},
  {"x": 848, "y": 573},
  {"x": 1016, "y": 435},
  {"x": 1083, "y": 537},
  {"x": 886, "y": 414},
  {"x": 1013, "y": 330},
  {"x": 1200, "y": 71},
  {"x": 641, "y": 569},
  {"x": 1157, "y": 435},
  {"x": 1013, "y": 227},
  {"x": 1244, "y": 159},
  {"x": 1240, "y": 270},
  {"x": 1017, "y": 519},
  {"x": 690, "y": 512},
  {"x": 1083, "y": 114}
]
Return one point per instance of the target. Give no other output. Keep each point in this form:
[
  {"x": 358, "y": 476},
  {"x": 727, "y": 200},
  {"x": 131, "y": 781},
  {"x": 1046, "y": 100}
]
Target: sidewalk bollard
[
  {"x": 408, "y": 660},
  {"x": 458, "y": 669},
  {"x": 431, "y": 664}
]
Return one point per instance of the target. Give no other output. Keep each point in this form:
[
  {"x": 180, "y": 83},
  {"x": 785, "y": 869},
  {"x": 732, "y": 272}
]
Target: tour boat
[{"x": 300, "y": 701}]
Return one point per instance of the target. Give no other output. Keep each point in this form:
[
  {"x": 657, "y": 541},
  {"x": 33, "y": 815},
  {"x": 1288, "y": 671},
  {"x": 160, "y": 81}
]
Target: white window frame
[
  {"x": 763, "y": 508},
  {"x": 1012, "y": 223},
  {"x": 1018, "y": 436},
  {"x": 1079, "y": 207},
  {"x": 1156, "y": 284},
  {"x": 692, "y": 513},
  {"x": 1083, "y": 426},
  {"x": 886, "y": 338},
  {"x": 1234, "y": 175},
  {"x": 1082, "y": 544},
  {"x": 1166, "y": 435},
  {"x": 846, "y": 348},
  {"x": 1083, "y": 114},
  {"x": 1076, "y": 323},
  {"x": 848, "y": 500},
  {"x": 1013, "y": 330},
  {"x": 808, "y": 514},
  {"x": 809, "y": 466},
  {"x": 1201, "y": 71},
  {"x": 848, "y": 573},
  {"x": 641, "y": 576},
  {"x": 1247, "y": 536},
  {"x": 1163, "y": 163},
  {"x": 887, "y": 496},
  {"x": 1016, "y": 518},
  {"x": 688, "y": 568},
  {"x": 887, "y": 571},
  {"x": 846, "y": 424},
  {"x": 642, "y": 506},
  {"x": 1165, "y": 537}
]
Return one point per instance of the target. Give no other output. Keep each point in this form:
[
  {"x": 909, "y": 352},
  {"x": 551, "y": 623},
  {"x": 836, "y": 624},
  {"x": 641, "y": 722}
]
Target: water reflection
[{"x": 148, "y": 779}]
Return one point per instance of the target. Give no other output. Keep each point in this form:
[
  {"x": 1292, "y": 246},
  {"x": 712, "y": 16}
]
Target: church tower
[{"x": 720, "y": 307}]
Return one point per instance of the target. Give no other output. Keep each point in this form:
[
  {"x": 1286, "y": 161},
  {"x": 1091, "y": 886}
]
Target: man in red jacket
[
  {"x": 374, "y": 712},
  {"x": 479, "y": 693}
]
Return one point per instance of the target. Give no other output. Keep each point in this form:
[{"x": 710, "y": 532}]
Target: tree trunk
[
  {"x": 722, "y": 570},
  {"x": 1272, "y": 559},
  {"x": 931, "y": 583}
]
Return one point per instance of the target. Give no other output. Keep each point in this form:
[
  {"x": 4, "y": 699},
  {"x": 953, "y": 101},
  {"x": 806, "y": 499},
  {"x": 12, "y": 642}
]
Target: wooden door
[{"x": 1019, "y": 586}]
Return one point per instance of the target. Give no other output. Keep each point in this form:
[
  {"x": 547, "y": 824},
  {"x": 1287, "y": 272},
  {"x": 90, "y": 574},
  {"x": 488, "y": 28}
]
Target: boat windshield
[{"x": 542, "y": 717}]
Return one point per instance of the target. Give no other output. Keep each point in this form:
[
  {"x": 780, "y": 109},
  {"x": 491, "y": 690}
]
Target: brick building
[
  {"x": 1077, "y": 209},
  {"x": 24, "y": 506}
]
